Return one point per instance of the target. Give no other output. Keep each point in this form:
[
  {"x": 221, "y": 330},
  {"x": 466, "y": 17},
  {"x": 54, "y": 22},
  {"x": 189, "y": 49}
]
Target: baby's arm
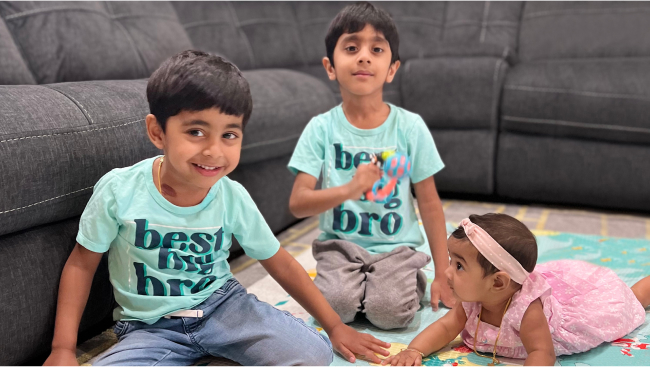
[
  {"x": 74, "y": 287},
  {"x": 305, "y": 201},
  {"x": 536, "y": 336},
  {"x": 431, "y": 339}
]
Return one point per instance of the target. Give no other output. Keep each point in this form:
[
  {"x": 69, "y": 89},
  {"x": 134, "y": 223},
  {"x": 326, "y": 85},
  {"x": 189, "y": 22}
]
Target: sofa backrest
[
  {"x": 49, "y": 42},
  {"x": 73, "y": 124},
  {"x": 482, "y": 22},
  {"x": 253, "y": 35},
  {"x": 292, "y": 34},
  {"x": 13, "y": 69},
  {"x": 590, "y": 29},
  {"x": 73, "y": 41}
]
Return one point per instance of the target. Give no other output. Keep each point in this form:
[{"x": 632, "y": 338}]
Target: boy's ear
[
  {"x": 155, "y": 132},
  {"x": 329, "y": 68},
  {"x": 500, "y": 281},
  {"x": 392, "y": 70}
]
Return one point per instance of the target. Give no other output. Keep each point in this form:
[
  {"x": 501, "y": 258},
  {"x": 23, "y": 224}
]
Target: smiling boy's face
[
  {"x": 362, "y": 62},
  {"x": 200, "y": 147}
]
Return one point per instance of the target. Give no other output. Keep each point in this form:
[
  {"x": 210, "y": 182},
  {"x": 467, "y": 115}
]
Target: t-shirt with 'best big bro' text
[
  {"x": 331, "y": 145},
  {"x": 161, "y": 257}
]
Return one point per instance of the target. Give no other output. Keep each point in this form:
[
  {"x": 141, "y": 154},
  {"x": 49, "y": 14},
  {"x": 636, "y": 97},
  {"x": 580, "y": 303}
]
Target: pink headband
[{"x": 493, "y": 252}]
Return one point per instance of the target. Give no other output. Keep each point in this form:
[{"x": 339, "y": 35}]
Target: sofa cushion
[
  {"x": 32, "y": 263},
  {"x": 483, "y": 22},
  {"x": 73, "y": 41},
  {"x": 606, "y": 99},
  {"x": 212, "y": 27},
  {"x": 570, "y": 171},
  {"x": 154, "y": 28},
  {"x": 106, "y": 101},
  {"x": 269, "y": 183},
  {"x": 250, "y": 34},
  {"x": 283, "y": 103},
  {"x": 452, "y": 92},
  {"x": 74, "y": 132},
  {"x": 584, "y": 29},
  {"x": 419, "y": 25},
  {"x": 13, "y": 69},
  {"x": 314, "y": 19},
  {"x": 469, "y": 160}
]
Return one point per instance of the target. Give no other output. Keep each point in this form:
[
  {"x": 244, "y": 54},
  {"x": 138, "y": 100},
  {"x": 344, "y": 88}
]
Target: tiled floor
[{"x": 299, "y": 238}]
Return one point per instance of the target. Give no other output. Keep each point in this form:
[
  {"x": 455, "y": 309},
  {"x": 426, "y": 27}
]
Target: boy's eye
[
  {"x": 378, "y": 50},
  {"x": 351, "y": 48},
  {"x": 230, "y": 136},
  {"x": 459, "y": 266},
  {"x": 196, "y": 133}
]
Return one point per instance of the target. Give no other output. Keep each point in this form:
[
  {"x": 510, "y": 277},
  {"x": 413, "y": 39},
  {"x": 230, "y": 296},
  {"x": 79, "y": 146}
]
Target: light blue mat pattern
[{"x": 629, "y": 258}]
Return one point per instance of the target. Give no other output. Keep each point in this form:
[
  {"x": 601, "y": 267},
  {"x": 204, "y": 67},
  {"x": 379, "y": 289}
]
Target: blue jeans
[{"x": 235, "y": 325}]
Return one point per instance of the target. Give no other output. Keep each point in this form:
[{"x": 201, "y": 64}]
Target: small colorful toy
[{"x": 395, "y": 166}]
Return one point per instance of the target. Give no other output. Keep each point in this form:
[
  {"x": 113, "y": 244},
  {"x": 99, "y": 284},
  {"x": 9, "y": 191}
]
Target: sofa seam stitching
[
  {"x": 51, "y": 9},
  {"x": 126, "y": 32},
  {"x": 575, "y": 91},
  {"x": 494, "y": 23},
  {"x": 71, "y": 133},
  {"x": 242, "y": 34},
  {"x": 77, "y": 103},
  {"x": 46, "y": 200},
  {"x": 547, "y": 13},
  {"x": 583, "y": 125},
  {"x": 486, "y": 12},
  {"x": 204, "y": 23},
  {"x": 298, "y": 34}
]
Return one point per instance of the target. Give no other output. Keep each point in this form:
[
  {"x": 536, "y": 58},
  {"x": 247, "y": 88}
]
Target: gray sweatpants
[{"x": 386, "y": 287}]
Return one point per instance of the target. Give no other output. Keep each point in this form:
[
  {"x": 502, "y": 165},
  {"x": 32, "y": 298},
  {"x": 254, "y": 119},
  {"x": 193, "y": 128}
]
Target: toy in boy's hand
[{"x": 395, "y": 166}]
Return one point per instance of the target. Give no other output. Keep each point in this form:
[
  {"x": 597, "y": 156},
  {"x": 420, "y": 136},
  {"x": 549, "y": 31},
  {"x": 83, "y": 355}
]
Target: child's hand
[
  {"x": 348, "y": 341},
  {"x": 440, "y": 291},
  {"x": 364, "y": 179},
  {"x": 407, "y": 357},
  {"x": 61, "y": 357}
]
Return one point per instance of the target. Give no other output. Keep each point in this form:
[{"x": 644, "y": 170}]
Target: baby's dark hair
[
  {"x": 195, "y": 81},
  {"x": 353, "y": 18},
  {"x": 510, "y": 233}
]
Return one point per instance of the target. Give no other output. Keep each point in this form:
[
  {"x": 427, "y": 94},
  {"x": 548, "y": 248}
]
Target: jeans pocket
[{"x": 120, "y": 328}]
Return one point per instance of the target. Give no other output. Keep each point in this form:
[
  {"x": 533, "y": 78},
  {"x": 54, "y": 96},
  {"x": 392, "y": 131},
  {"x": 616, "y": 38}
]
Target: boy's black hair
[
  {"x": 353, "y": 18},
  {"x": 195, "y": 81},
  {"x": 510, "y": 233}
]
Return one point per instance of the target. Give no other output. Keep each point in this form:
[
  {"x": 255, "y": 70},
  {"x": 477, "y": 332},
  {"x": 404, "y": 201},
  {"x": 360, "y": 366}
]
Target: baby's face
[{"x": 465, "y": 274}]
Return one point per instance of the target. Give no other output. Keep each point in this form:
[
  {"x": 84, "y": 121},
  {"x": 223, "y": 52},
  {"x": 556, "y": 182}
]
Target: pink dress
[{"x": 585, "y": 305}]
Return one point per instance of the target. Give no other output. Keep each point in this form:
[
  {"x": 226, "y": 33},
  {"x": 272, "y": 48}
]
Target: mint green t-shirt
[
  {"x": 161, "y": 257},
  {"x": 332, "y": 146}
]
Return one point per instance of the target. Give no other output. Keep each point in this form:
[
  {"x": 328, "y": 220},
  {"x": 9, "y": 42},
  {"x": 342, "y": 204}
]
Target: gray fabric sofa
[{"x": 540, "y": 101}]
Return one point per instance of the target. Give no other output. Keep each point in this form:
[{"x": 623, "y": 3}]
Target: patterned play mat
[{"x": 629, "y": 258}]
